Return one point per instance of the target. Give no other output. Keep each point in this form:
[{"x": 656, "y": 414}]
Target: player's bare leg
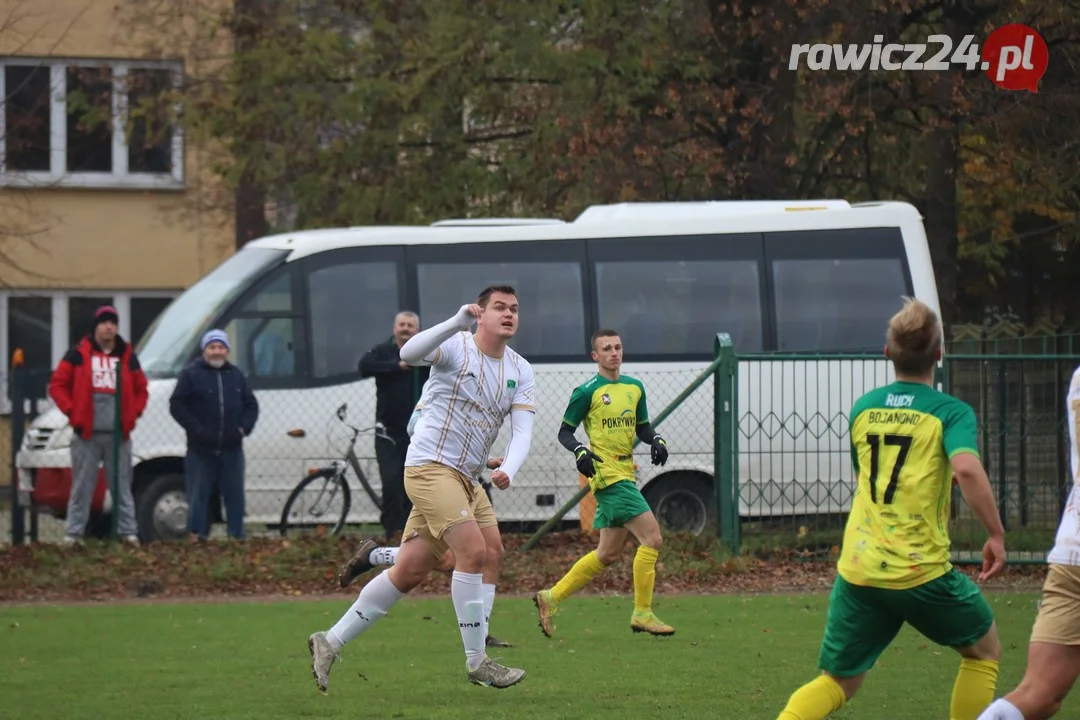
[
  {"x": 977, "y": 677},
  {"x": 1050, "y": 675},
  {"x": 467, "y": 542},
  {"x": 647, "y": 532},
  {"x": 415, "y": 562},
  {"x": 607, "y": 551}
]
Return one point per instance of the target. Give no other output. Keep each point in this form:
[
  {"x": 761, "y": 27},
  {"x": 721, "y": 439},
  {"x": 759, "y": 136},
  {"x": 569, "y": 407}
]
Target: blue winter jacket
[{"x": 214, "y": 405}]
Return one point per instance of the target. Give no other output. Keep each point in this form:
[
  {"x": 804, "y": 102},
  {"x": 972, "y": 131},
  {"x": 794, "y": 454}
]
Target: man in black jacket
[
  {"x": 397, "y": 388},
  {"x": 214, "y": 404}
]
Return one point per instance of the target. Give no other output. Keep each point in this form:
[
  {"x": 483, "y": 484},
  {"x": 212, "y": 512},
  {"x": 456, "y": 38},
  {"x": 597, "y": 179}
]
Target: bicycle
[{"x": 329, "y": 482}]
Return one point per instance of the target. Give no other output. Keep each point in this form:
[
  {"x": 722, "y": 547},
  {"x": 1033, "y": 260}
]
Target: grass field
[{"x": 732, "y": 657}]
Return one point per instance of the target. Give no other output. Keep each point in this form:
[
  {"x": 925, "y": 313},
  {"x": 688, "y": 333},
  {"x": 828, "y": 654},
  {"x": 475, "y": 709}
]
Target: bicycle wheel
[
  {"x": 320, "y": 502},
  {"x": 376, "y": 499}
]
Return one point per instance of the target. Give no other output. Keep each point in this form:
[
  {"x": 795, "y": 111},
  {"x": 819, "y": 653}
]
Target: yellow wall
[
  {"x": 121, "y": 239},
  {"x": 112, "y": 239}
]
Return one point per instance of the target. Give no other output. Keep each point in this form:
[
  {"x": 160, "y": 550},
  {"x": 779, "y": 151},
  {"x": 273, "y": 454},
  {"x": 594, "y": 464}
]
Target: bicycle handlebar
[{"x": 379, "y": 431}]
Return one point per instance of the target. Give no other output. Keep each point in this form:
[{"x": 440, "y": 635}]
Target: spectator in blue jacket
[{"x": 214, "y": 404}]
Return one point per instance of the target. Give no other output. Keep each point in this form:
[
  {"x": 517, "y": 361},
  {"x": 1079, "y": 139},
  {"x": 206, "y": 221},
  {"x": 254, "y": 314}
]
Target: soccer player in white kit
[
  {"x": 476, "y": 382},
  {"x": 369, "y": 555},
  {"x": 1053, "y": 661}
]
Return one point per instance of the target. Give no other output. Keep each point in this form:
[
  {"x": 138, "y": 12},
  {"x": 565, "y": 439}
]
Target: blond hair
[{"x": 914, "y": 338}]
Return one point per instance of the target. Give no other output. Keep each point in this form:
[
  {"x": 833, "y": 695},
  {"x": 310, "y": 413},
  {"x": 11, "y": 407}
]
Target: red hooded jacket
[{"x": 71, "y": 386}]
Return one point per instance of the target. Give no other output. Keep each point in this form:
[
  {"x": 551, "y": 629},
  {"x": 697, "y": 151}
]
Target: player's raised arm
[{"x": 422, "y": 348}]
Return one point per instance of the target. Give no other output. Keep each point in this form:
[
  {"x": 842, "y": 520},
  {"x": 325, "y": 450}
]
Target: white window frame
[
  {"x": 61, "y": 319},
  {"x": 119, "y": 178}
]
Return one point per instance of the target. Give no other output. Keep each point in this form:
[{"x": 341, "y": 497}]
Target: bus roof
[
  {"x": 610, "y": 221},
  {"x": 707, "y": 210}
]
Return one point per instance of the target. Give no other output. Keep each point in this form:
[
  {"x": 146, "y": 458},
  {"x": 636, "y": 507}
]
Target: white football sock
[
  {"x": 489, "y": 602},
  {"x": 467, "y": 590},
  {"x": 383, "y": 556},
  {"x": 1001, "y": 710},
  {"x": 375, "y": 600}
]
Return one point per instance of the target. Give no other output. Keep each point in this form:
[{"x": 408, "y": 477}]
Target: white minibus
[{"x": 302, "y": 307}]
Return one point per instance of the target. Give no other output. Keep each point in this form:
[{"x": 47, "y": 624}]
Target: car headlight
[{"x": 61, "y": 438}]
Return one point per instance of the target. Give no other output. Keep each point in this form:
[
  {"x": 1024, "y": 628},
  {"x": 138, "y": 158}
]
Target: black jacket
[
  {"x": 213, "y": 405},
  {"x": 396, "y": 390}
]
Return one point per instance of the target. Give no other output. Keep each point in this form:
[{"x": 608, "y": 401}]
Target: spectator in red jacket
[{"x": 83, "y": 386}]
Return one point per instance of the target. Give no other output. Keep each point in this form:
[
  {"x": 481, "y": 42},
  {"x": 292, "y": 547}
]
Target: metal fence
[
  {"x": 298, "y": 431},
  {"x": 788, "y": 448},
  {"x": 780, "y": 423}
]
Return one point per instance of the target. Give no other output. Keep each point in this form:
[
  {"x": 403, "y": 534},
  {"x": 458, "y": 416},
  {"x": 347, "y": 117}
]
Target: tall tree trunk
[
  {"x": 249, "y": 211},
  {"x": 939, "y": 204}
]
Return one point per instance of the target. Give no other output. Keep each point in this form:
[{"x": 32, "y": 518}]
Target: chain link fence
[
  {"x": 1019, "y": 401},
  {"x": 300, "y": 431},
  {"x": 783, "y": 452},
  {"x": 792, "y": 466}
]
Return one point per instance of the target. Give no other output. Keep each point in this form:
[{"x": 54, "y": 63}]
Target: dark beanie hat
[{"x": 105, "y": 313}]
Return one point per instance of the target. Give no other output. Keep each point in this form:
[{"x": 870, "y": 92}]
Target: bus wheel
[
  {"x": 683, "y": 502},
  {"x": 162, "y": 509}
]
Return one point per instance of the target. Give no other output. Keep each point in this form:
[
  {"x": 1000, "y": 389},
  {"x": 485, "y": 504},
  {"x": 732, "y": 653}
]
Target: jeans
[{"x": 204, "y": 470}]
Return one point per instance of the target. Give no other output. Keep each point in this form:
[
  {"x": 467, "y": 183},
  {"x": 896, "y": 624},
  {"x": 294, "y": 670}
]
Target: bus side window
[
  {"x": 552, "y": 321},
  {"x": 263, "y": 348},
  {"x": 675, "y": 307},
  {"x": 352, "y": 304},
  {"x": 264, "y": 332},
  {"x": 832, "y": 305}
]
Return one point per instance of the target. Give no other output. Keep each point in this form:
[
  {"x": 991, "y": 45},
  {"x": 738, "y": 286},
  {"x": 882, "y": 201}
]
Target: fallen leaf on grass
[{"x": 307, "y": 565}]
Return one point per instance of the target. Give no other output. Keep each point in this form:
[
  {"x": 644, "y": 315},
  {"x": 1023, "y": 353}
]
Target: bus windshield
[{"x": 168, "y": 343}]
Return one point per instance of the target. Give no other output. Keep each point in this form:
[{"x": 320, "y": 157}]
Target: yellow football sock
[
  {"x": 583, "y": 571},
  {"x": 644, "y": 577},
  {"x": 974, "y": 688},
  {"x": 815, "y": 700}
]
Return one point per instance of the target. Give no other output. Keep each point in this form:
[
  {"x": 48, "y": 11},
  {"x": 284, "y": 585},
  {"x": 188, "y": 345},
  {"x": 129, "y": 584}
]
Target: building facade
[{"x": 101, "y": 199}]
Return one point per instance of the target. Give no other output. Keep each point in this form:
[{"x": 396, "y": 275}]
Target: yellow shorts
[
  {"x": 1058, "y": 621},
  {"x": 442, "y": 498}
]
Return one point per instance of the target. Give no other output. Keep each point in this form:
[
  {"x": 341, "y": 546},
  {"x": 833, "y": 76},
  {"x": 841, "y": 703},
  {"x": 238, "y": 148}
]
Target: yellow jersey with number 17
[
  {"x": 611, "y": 412},
  {"x": 903, "y": 437}
]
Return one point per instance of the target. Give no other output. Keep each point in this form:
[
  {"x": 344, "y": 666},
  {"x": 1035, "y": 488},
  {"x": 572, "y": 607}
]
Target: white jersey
[
  {"x": 466, "y": 399},
  {"x": 1067, "y": 543}
]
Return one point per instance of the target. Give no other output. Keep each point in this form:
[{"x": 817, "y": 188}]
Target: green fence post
[
  {"x": 725, "y": 445},
  {"x": 941, "y": 375},
  {"x": 1003, "y": 443},
  {"x": 114, "y": 481},
  {"x": 415, "y": 385}
]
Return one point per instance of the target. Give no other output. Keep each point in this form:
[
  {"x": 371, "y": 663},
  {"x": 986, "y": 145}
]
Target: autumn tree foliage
[{"x": 375, "y": 112}]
